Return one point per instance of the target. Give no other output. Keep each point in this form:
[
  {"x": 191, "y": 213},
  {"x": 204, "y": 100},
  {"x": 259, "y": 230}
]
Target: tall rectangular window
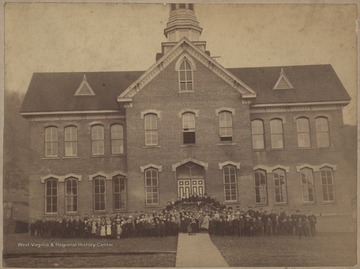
[
  {"x": 151, "y": 129},
  {"x": 280, "y": 186},
  {"x": 327, "y": 184},
  {"x": 51, "y": 195},
  {"x": 71, "y": 195},
  {"x": 152, "y": 186},
  {"x": 322, "y": 132},
  {"x": 307, "y": 184},
  {"x": 119, "y": 195},
  {"x": 225, "y": 126},
  {"x": 97, "y": 140},
  {"x": 303, "y": 132},
  {"x": 99, "y": 192},
  {"x": 70, "y": 141},
  {"x": 260, "y": 185},
  {"x": 276, "y": 133},
  {"x": 117, "y": 139},
  {"x": 188, "y": 123},
  {"x": 51, "y": 142},
  {"x": 230, "y": 183},
  {"x": 257, "y": 131},
  {"x": 185, "y": 76}
]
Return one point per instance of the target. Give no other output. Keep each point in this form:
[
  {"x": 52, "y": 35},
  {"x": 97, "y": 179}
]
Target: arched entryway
[{"x": 190, "y": 180}]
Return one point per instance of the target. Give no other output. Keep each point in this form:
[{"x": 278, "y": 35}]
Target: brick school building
[{"x": 269, "y": 137}]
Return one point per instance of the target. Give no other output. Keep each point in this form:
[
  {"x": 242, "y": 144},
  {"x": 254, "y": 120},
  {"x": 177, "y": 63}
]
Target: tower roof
[{"x": 182, "y": 22}]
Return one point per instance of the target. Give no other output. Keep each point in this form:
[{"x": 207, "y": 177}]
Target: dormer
[
  {"x": 84, "y": 88},
  {"x": 283, "y": 83}
]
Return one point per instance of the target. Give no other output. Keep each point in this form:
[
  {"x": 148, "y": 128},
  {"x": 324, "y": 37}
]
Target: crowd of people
[{"x": 170, "y": 221}]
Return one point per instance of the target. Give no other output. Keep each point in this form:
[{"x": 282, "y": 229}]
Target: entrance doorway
[{"x": 190, "y": 180}]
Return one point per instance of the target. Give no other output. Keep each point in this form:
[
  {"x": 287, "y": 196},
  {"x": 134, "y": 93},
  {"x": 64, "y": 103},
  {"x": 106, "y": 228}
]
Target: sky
[{"x": 76, "y": 37}]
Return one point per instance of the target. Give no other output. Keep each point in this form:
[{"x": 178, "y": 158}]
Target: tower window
[{"x": 185, "y": 76}]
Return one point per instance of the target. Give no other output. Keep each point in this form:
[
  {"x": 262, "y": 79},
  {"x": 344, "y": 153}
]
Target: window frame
[
  {"x": 151, "y": 129},
  {"x": 97, "y": 140},
  {"x": 52, "y": 142},
  {"x": 152, "y": 190},
  {"x": 114, "y": 140},
  {"x": 72, "y": 141},
  {"x": 71, "y": 196},
  {"x": 185, "y": 70},
  {"x": 225, "y": 118},
  {"x": 281, "y": 187},
  {"x": 188, "y": 127},
  {"x": 303, "y": 130},
  {"x": 319, "y": 132},
  {"x": 332, "y": 185},
  {"x": 306, "y": 171},
  {"x": 97, "y": 195},
  {"x": 122, "y": 196},
  {"x": 232, "y": 183},
  {"x": 261, "y": 189},
  {"x": 54, "y": 198},
  {"x": 256, "y": 136},
  {"x": 274, "y": 132}
]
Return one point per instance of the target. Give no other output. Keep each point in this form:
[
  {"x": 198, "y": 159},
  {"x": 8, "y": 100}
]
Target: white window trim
[
  {"x": 145, "y": 167},
  {"x": 150, "y": 111},
  {"x": 236, "y": 186},
  {"x": 269, "y": 169},
  {"x": 221, "y": 165},
  {"x": 225, "y": 109},
  {"x": 188, "y": 110},
  {"x": 189, "y": 59},
  {"x": 176, "y": 165}
]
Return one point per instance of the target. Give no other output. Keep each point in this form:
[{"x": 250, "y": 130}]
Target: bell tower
[{"x": 182, "y": 23}]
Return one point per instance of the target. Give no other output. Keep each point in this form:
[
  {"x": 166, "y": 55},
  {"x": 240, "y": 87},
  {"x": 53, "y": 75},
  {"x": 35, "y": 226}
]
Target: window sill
[
  {"x": 259, "y": 150},
  {"x": 280, "y": 204},
  {"x": 117, "y": 155},
  {"x": 282, "y": 149},
  {"x": 151, "y": 147},
  {"x": 231, "y": 202},
  {"x": 152, "y": 206},
  {"x": 98, "y": 156},
  {"x": 72, "y": 213},
  {"x": 226, "y": 144},
  {"x": 189, "y": 145},
  {"x": 186, "y": 92},
  {"x": 51, "y": 158},
  {"x": 52, "y": 214},
  {"x": 70, "y": 157},
  {"x": 306, "y": 148}
]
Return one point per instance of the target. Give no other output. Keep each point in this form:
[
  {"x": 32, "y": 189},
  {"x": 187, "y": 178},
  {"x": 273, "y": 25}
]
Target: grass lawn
[
  {"x": 130, "y": 252},
  {"x": 326, "y": 249}
]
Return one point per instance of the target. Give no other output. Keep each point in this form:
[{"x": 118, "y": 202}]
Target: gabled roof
[
  {"x": 185, "y": 45},
  {"x": 312, "y": 83},
  {"x": 54, "y": 92}
]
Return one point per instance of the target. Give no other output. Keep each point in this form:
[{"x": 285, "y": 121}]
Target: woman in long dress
[{"x": 205, "y": 222}]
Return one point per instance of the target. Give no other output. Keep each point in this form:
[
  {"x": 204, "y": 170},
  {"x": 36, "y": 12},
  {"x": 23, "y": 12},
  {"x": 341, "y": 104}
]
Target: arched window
[
  {"x": 186, "y": 76},
  {"x": 303, "y": 132},
  {"x": 71, "y": 195},
  {"x": 257, "y": 131},
  {"x": 97, "y": 139},
  {"x": 117, "y": 139},
  {"x": 152, "y": 186},
  {"x": 151, "y": 129},
  {"x": 327, "y": 184},
  {"x": 119, "y": 192},
  {"x": 225, "y": 126},
  {"x": 188, "y": 123},
  {"x": 230, "y": 183},
  {"x": 276, "y": 133},
  {"x": 51, "y": 195},
  {"x": 260, "y": 185},
  {"x": 99, "y": 193},
  {"x": 51, "y": 141},
  {"x": 322, "y": 132},
  {"x": 70, "y": 141},
  {"x": 279, "y": 177},
  {"x": 307, "y": 184}
]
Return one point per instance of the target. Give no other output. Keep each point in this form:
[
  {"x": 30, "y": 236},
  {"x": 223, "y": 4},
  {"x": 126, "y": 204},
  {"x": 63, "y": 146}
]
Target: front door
[{"x": 190, "y": 180}]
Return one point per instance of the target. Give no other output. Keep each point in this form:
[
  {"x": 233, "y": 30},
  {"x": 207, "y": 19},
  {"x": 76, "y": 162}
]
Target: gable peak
[
  {"x": 84, "y": 88},
  {"x": 283, "y": 83}
]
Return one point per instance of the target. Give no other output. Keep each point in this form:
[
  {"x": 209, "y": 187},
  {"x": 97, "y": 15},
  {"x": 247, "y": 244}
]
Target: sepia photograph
[{"x": 179, "y": 134}]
